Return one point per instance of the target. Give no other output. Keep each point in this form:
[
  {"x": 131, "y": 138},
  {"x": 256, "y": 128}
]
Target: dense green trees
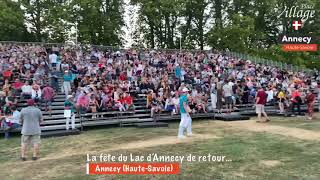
[
  {"x": 88, "y": 21},
  {"x": 12, "y": 26}
]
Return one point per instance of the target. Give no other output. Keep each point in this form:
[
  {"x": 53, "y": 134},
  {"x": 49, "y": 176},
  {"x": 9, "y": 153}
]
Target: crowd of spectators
[{"x": 102, "y": 79}]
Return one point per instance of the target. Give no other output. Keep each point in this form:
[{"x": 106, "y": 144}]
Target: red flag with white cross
[{"x": 296, "y": 25}]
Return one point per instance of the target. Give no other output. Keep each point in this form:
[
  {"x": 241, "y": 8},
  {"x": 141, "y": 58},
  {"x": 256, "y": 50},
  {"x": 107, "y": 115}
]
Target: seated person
[
  {"x": 82, "y": 102},
  {"x": 106, "y": 102},
  {"x": 193, "y": 105},
  {"x": 93, "y": 104},
  {"x": 119, "y": 102},
  {"x": 176, "y": 101},
  {"x": 149, "y": 99},
  {"x": 11, "y": 100},
  {"x": 156, "y": 105},
  {"x": 16, "y": 87},
  {"x": 128, "y": 101},
  {"x": 2, "y": 98},
  {"x": 36, "y": 93},
  {"x": 11, "y": 121},
  {"x": 169, "y": 106},
  {"x": 200, "y": 104},
  {"x": 26, "y": 90}
]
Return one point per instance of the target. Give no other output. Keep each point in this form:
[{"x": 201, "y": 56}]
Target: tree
[
  {"x": 239, "y": 35},
  {"x": 36, "y": 15},
  {"x": 12, "y": 22},
  {"x": 99, "y": 21}
]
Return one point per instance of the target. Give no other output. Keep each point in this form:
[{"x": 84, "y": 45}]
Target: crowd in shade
[{"x": 97, "y": 80}]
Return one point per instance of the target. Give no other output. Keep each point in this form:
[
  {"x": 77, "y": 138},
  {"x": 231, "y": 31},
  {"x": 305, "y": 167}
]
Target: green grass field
[{"x": 286, "y": 148}]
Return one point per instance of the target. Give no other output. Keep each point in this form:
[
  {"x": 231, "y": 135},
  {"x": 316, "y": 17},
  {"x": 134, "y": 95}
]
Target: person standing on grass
[
  {"x": 310, "y": 99},
  {"x": 30, "y": 119},
  {"x": 186, "y": 121},
  {"x": 261, "y": 99}
]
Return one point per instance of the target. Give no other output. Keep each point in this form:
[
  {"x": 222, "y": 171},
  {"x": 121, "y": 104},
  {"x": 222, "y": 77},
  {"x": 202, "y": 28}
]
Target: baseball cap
[{"x": 30, "y": 102}]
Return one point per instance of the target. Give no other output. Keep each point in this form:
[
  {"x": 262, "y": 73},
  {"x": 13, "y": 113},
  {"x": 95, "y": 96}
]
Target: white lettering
[{"x": 297, "y": 39}]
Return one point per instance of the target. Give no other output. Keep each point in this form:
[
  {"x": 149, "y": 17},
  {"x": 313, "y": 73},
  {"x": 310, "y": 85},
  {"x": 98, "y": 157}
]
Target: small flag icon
[{"x": 296, "y": 25}]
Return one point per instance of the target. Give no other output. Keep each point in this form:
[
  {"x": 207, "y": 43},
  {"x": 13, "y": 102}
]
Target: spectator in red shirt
[
  {"x": 261, "y": 99},
  {"x": 47, "y": 97},
  {"x": 123, "y": 76},
  {"x": 128, "y": 101},
  {"x": 295, "y": 101},
  {"x": 7, "y": 74},
  {"x": 17, "y": 87}
]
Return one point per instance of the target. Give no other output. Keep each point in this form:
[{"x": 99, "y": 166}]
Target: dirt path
[
  {"x": 266, "y": 127},
  {"x": 166, "y": 140}
]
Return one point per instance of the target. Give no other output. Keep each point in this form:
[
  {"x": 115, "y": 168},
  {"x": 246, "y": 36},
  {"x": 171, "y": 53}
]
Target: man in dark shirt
[{"x": 261, "y": 99}]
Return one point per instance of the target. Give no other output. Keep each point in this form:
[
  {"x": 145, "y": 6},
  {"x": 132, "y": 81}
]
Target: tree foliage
[{"x": 11, "y": 21}]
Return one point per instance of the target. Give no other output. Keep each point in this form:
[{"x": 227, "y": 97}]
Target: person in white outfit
[
  {"x": 186, "y": 121},
  {"x": 213, "y": 95},
  {"x": 69, "y": 106}
]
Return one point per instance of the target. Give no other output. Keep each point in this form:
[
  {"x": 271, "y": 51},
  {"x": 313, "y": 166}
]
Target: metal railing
[{"x": 279, "y": 64}]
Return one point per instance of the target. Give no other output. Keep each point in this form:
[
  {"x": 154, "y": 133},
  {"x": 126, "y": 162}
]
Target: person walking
[
  {"x": 30, "y": 119},
  {"x": 48, "y": 96},
  {"x": 67, "y": 78},
  {"x": 69, "y": 109},
  {"x": 310, "y": 99},
  {"x": 186, "y": 121},
  {"x": 261, "y": 100}
]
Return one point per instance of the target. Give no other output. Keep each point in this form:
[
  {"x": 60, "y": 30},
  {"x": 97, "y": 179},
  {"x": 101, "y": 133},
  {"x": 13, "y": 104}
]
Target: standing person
[
  {"x": 93, "y": 104},
  {"x": 36, "y": 93},
  {"x": 53, "y": 59},
  {"x": 219, "y": 97},
  {"x": 310, "y": 98},
  {"x": 30, "y": 119},
  {"x": 69, "y": 105},
  {"x": 48, "y": 96},
  {"x": 186, "y": 121},
  {"x": 213, "y": 96},
  {"x": 318, "y": 88},
  {"x": 227, "y": 94},
  {"x": 261, "y": 100},
  {"x": 295, "y": 101},
  {"x": 281, "y": 99},
  {"x": 67, "y": 77},
  {"x": 54, "y": 79}
]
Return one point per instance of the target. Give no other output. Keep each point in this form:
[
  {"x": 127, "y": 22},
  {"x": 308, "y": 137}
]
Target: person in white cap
[
  {"x": 69, "y": 109},
  {"x": 186, "y": 120}
]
